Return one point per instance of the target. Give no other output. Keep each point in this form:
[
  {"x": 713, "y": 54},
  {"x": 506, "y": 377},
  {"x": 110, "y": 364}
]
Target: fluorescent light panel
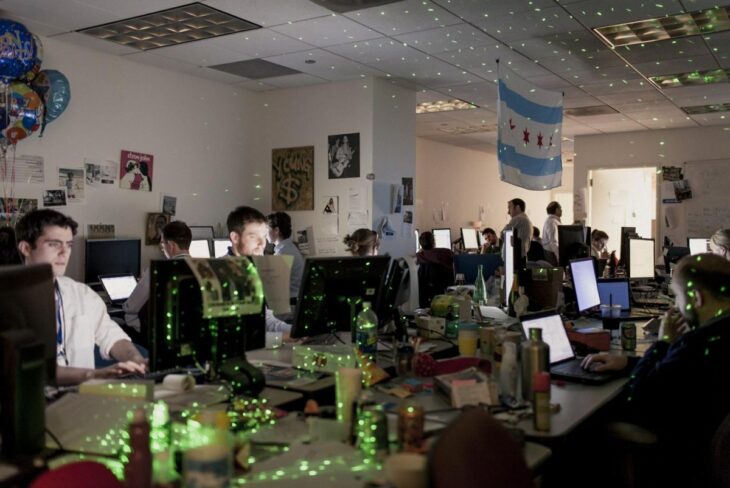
[
  {"x": 443, "y": 106},
  {"x": 187, "y": 23},
  {"x": 692, "y": 79},
  {"x": 706, "y": 109},
  {"x": 469, "y": 129},
  {"x": 670, "y": 27}
]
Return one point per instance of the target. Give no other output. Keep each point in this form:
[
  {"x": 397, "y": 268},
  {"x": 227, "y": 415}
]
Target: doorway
[{"x": 623, "y": 197}]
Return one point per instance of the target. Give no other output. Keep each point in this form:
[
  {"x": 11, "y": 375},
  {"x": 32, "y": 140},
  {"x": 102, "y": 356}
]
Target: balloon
[
  {"x": 53, "y": 87},
  {"x": 37, "y": 60},
  {"x": 23, "y": 114},
  {"x": 17, "y": 50}
]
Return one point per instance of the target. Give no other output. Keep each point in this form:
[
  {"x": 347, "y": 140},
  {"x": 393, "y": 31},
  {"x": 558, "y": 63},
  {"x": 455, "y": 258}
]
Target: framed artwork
[
  {"x": 153, "y": 230},
  {"x": 292, "y": 178},
  {"x": 135, "y": 171},
  {"x": 343, "y": 156}
]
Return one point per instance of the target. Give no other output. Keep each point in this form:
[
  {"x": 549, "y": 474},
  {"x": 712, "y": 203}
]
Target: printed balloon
[
  {"x": 37, "y": 61},
  {"x": 53, "y": 86},
  {"x": 23, "y": 114},
  {"x": 17, "y": 50}
]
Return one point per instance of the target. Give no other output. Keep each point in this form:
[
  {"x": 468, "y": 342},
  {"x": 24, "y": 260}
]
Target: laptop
[
  {"x": 563, "y": 362},
  {"x": 617, "y": 291},
  {"x": 118, "y": 287}
]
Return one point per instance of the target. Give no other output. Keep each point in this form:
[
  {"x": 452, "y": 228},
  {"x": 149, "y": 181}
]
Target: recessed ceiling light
[
  {"x": 693, "y": 78},
  {"x": 707, "y": 109},
  {"x": 178, "y": 25},
  {"x": 443, "y": 106},
  {"x": 310, "y": 61},
  {"x": 588, "y": 111},
  {"x": 706, "y": 21}
]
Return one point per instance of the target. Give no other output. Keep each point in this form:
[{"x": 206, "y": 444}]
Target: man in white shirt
[
  {"x": 550, "y": 232},
  {"x": 247, "y": 230},
  {"x": 280, "y": 236},
  {"x": 175, "y": 244},
  {"x": 46, "y": 237},
  {"x": 520, "y": 223}
]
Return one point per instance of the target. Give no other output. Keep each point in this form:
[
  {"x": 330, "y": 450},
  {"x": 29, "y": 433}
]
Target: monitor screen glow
[
  {"x": 220, "y": 248},
  {"x": 584, "y": 281},
  {"x": 641, "y": 258},
  {"x": 480, "y": 237},
  {"x": 119, "y": 287},
  {"x": 554, "y": 335},
  {"x": 615, "y": 292},
  {"x": 199, "y": 248},
  {"x": 471, "y": 241},
  {"x": 442, "y": 238},
  {"x": 509, "y": 265},
  {"x": 698, "y": 245}
]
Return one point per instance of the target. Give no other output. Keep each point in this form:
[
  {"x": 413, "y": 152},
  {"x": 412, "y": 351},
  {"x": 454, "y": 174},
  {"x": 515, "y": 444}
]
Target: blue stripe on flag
[
  {"x": 528, "y": 109},
  {"x": 528, "y": 165}
]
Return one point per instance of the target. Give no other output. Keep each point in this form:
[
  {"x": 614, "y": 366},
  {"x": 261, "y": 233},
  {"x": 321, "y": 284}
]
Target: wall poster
[
  {"x": 343, "y": 155},
  {"x": 292, "y": 178}
]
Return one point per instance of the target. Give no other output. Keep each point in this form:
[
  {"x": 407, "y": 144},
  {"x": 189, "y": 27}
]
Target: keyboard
[
  {"x": 158, "y": 376},
  {"x": 571, "y": 370}
]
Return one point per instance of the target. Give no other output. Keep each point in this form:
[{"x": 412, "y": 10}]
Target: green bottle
[{"x": 480, "y": 288}]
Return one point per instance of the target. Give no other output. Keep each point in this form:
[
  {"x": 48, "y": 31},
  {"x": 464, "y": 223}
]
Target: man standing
[
  {"x": 550, "y": 232},
  {"x": 280, "y": 236},
  {"x": 680, "y": 390},
  {"x": 46, "y": 236},
  {"x": 519, "y": 223},
  {"x": 247, "y": 230},
  {"x": 175, "y": 239}
]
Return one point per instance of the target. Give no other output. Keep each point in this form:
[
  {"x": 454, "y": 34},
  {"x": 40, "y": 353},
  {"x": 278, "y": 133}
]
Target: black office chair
[
  {"x": 720, "y": 455},
  {"x": 433, "y": 279}
]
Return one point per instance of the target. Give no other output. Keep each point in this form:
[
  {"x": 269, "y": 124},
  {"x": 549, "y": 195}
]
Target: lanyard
[{"x": 60, "y": 341}]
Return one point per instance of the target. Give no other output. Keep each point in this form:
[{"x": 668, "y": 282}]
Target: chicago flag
[{"x": 530, "y": 121}]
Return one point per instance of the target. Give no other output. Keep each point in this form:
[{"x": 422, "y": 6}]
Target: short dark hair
[
  {"x": 597, "y": 235},
  {"x": 31, "y": 225},
  {"x": 179, "y": 233},
  {"x": 518, "y": 202},
  {"x": 707, "y": 272},
  {"x": 427, "y": 240},
  {"x": 489, "y": 230},
  {"x": 241, "y": 216},
  {"x": 553, "y": 207},
  {"x": 281, "y": 221},
  {"x": 535, "y": 232}
]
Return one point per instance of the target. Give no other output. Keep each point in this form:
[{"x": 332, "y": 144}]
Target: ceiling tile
[
  {"x": 483, "y": 94},
  {"x": 255, "y": 85},
  {"x": 664, "y": 50},
  {"x": 201, "y": 53},
  {"x": 60, "y": 16},
  {"x": 260, "y": 43},
  {"x": 673, "y": 66},
  {"x": 530, "y": 24},
  {"x": 598, "y": 13},
  {"x": 162, "y": 62},
  {"x": 404, "y": 17},
  {"x": 326, "y": 65},
  {"x": 267, "y": 13},
  {"x": 460, "y": 36},
  {"x": 132, "y": 8},
  {"x": 291, "y": 81},
  {"x": 327, "y": 31},
  {"x": 96, "y": 43}
]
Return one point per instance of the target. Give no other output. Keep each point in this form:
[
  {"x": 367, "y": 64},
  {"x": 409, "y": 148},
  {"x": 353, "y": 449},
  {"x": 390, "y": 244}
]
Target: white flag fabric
[{"x": 529, "y": 130}]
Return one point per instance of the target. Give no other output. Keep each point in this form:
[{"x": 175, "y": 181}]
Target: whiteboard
[{"x": 709, "y": 208}]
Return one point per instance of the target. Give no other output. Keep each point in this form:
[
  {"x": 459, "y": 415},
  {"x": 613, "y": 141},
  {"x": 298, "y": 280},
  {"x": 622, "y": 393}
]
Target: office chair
[
  {"x": 477, "y": 451},
  {"x": 433, "y": 279},
  {"x": 720, "y": 454}
]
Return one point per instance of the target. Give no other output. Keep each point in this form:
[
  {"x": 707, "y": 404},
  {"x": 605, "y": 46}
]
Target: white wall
[
  {"x": 196, "y": 130},
  {"x": 669, "y": 147},
  {"x": 464, "y": 180},
  {"x": 394, "y": 157}
]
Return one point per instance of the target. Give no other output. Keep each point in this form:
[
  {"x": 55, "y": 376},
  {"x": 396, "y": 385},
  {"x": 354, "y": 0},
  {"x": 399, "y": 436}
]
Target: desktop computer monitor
[
  {"x": 641, "y": 259},
  {"x": 585, "y": 285},
  {"x": 27, "y": 303},
  {"x": 179, "y": 335},
  {"x": 111, "y": 257},
  {"x": 442, "y": 238},
  {"x": 333, "y": 290},
  {"x": 626, "y": 234},
  {"x": 698, "y": 245},
  {"x": 202, "y": 231},
  {"x": 480, "y": 238},
  {"x": 469, "y": 238},
  {"x": 200, "y": 248},
  {"x": 573, "y": 243},
  {"x": 615, "y": 291},
  {"x": 393, "y": 293},
  {"x": 220, "y": 247},
  {"x": 418, "y": 244}
]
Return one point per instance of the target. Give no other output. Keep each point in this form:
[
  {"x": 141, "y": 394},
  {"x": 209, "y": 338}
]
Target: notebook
[
  {"x": 563, "y": 362},
  {"x": 118, "y": 287}
]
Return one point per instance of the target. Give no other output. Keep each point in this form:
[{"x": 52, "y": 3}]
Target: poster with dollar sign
[{"x": 292, "y": 178}]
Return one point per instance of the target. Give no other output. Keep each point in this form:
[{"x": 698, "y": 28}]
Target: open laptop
[
  {"x": 563, "y": 362},
  {"x": 118, "y": 287},
  {"x": 617, "y": 291}
]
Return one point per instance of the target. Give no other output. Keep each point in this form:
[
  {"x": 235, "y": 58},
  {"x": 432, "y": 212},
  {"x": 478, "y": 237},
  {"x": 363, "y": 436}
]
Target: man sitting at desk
[
  {"x": 280, "y": 236},
  {"x": 46, "y": 237},
  {"x": 247, "y": 230},
  {"x": 175, "y": 239},
  {"x": 680, "y": 390}
]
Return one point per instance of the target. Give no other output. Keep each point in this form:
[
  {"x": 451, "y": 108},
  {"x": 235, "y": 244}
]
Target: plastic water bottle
[{"x": 366, "y": 332}]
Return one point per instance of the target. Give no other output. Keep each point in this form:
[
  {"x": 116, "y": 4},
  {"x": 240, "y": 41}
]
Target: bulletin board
[{"x": 708, "y": 207}]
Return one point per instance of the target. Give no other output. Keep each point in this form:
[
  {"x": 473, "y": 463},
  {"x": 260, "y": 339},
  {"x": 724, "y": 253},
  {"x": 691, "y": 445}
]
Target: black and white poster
[
  {"x": 343, "y": 156},
  {"x": 54, "y": 198}
]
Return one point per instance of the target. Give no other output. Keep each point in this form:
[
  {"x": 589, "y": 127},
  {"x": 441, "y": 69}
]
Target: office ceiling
[{"x": 442, "y": 48}]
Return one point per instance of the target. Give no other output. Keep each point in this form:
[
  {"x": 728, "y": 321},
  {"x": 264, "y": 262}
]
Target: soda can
[
  {"x": 628, "y": 336},
  {"x": 372, "y": 432},
  {"x": 410, "y": 428}
]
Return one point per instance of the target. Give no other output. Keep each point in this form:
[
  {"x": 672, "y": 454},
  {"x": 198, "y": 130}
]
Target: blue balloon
[
  {"x": 17, "y": 50},
  {"x": 55, "y": 90}
]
